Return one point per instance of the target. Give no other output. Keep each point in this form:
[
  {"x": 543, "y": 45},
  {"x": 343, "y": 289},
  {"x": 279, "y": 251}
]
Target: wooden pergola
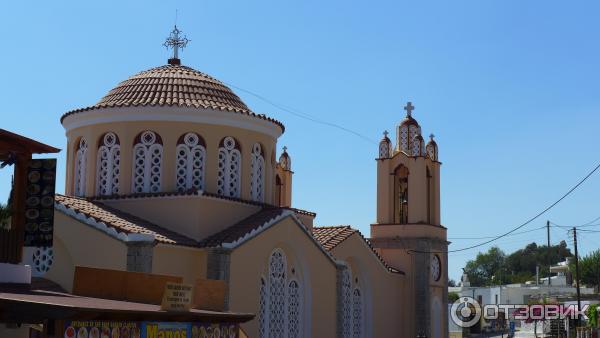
[{"x": 17, "y": 150}]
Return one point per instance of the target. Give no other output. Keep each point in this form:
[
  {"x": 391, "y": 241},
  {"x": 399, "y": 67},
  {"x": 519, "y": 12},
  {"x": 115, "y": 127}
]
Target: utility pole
[
  {"x": 548, "y": 257},
  {"x": 577, "y": 279}
]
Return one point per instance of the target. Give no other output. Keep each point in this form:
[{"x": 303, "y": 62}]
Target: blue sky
[{"x": 510, "y": 88}]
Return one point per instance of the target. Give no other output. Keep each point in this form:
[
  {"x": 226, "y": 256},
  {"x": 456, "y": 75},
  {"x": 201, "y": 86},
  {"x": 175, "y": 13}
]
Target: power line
[
  {"x": 302, "y": 115},
  {"x": 525, "y": 223},
  {"x": 486, "y": 237}
]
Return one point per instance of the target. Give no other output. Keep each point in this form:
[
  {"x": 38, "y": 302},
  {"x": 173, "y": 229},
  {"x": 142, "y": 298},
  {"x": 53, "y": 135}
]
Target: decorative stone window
[
  {"x": 80, "y": 167},
  {"x": 42, "y": 260},
  {"x": 385, "y": 146},
  {"x": 257, "y": 174},
  {"x": 418, "y": 146},
  {"x": 191, "y": 157},
  {"x": 280, "y": 313},
  {"x": 432, "y": 148},
  {"x": 357, "y": 313},
  {"x": 108, "y": 165},
  {"x": 352, "y": 306},
  {"x": 147, "y": 162},
  {"x": 230, "y": 167},
  {"x": 406, "y": 134}
]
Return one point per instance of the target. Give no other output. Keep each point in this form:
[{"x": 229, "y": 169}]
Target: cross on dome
[
  {"x": 431, "y": 136},
  {"x": 175, "y": 42},
  {"x": 385, "y": 133},
  {"x": 285, "y": 149},
  {"x": 409, "y": 108}
]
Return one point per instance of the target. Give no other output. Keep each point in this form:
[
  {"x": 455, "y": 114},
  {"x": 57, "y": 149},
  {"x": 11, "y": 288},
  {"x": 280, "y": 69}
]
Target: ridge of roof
[
  {"x": 244, "y": 229},
  {"x": 116, "y": 223},
  {"x": 195, "y": 192},
  {"x": 333, "y": 235}
]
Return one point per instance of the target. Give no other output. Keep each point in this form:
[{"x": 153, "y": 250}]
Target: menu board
[
  {"x": 39, "y": 202},
  {"x": 102, "y": 329}
]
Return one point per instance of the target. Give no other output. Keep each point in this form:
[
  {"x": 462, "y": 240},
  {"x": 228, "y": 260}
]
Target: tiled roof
[
  {"x": 244, "y": 228},
  {"x": 332, "y": 236},
  {"x": 117, "y": 222},
  {"x": 174, "y": 85}
]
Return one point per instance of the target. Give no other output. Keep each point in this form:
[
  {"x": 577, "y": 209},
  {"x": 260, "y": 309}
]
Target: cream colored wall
[
  {"x": 317, "y": 273},
  {"x": 189, "y": 263},
  {"x": 170, "y": 133},
  {"x": 386, "y": 308},
  {"x": 79, "y": 244},
  {"x": 194, "y": 216},
  {"x": 417, "y": 188}
]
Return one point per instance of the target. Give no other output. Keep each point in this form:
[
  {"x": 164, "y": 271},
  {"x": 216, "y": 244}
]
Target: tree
[
  {"x": 453, "y": 297},
  {"x": 451, "y": 283},
  {"x": 4, "y": 216},
  {"x": 485, "y": 266},
  {"x": 494, "y": 267},
  {"x": 589, "y": 268}
]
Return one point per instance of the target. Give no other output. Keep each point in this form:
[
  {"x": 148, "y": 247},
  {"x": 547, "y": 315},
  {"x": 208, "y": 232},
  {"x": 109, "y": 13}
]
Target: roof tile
[
  {"x": 165, "y": 84},
  {"x": 121, "y": 221}
]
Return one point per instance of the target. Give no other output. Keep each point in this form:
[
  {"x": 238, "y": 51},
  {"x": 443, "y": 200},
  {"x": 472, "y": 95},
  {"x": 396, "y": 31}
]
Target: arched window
[
  {"x": 352, "y": 306},
  {"x": 357, "y": 314},
  {"x": 401, "y": 195},
  {"x": 293, "y": 309},
  {"x": 263, "y": 314},
  {"x": 429, "y": 196},
  {"x": 230, "y": 166},
  {"x": 108, "y": 165},
  {"x": 80, "y": 167},
  {"x": 347, "y": 303},
  {"x": 280, "y": 313},
  {"x": 147, "y": 163},
  {"x": 418, "y": 146},
  {"x": 278, "y": 190},
  {"x": 191, "y": 154},
  {"x": 257, "y": 174}
]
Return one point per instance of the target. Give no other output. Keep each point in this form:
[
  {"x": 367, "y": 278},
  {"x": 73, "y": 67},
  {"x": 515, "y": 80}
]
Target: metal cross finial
[
  {"x": 284, "y": 149},
  {"x": 385, "y": 133},
  {"x": 175, "y": 41},
  {"x": 431, "y": 136},
  {"x": 409, "y": 108}
]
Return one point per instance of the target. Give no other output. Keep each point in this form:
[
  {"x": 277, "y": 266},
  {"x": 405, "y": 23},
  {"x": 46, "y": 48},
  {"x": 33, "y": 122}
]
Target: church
[{"x": 172, "y": 173}]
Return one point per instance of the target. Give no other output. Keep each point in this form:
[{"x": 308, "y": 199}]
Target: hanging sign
[
  {"x": 39, "y": 202},
  {"x": 177, "y": 297}
]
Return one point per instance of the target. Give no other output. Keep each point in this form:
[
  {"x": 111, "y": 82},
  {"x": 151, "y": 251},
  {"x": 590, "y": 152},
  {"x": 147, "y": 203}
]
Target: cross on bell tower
[
  {"x": 175, "y": 41},
  {"x": 409, "y": 108}
]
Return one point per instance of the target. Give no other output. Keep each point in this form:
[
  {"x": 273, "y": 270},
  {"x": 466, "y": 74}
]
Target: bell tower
[{"x": 408, "y": 232}]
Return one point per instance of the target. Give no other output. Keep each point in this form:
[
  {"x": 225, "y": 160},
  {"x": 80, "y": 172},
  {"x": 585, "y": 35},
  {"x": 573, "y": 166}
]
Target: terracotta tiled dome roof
[{"x": 173, "y": 85}]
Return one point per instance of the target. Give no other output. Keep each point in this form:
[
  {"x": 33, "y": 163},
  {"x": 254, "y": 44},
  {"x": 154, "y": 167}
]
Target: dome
[{"x": 173, "y": 85}]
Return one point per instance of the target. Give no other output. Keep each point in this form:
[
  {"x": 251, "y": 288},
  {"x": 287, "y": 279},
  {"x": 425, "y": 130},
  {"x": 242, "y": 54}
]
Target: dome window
[
  {"x": 147, "y": 166},
  {"x": 230, "y": 167},
  {"x": 257, "y": 174},
  {"x": 191, "y": 159},
  {"x": 108, "y": 165},
  {"x": 80, "y": 167}
]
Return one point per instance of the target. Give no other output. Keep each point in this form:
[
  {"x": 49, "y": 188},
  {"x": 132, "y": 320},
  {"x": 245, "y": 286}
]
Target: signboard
[
  {"x": 177, "y": 297},
  {"x": 39, "y": 202},
  {"x": 102, "y": 329},
  {"x": 188, "y": 330},
  {"x": 114, "y": 329}
]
